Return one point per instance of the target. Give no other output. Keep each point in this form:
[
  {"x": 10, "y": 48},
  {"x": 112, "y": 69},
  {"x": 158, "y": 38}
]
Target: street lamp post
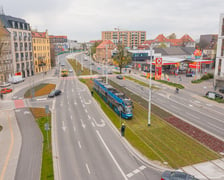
[
  {"x": 106, "y": 67},
  {"x": 150, "y": 88}
]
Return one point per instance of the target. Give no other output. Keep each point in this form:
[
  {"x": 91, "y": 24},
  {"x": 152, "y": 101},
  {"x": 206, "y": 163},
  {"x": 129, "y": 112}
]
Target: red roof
[
  {"x": 110, "y": 44},
  {"x": 160, "y": 38},
  {"x": 173, "y": 42},
  {"x": 39, "y": 34}
]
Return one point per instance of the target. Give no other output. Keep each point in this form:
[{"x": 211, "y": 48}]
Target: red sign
[{"x": 159, "y": 61}]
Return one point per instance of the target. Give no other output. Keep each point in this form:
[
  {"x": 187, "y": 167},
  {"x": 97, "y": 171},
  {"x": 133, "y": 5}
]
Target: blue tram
[{"x": 120, "y": 103}]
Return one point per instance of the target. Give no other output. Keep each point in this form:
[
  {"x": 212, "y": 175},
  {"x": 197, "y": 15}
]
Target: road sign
[
  {"x": 159, "y": 61},
  {"x": 46, "y": 109},
  {"x": 46, "y": 127}
]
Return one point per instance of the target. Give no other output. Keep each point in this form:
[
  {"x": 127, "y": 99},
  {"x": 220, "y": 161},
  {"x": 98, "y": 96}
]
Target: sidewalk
[{"x": 10, "y": 143}]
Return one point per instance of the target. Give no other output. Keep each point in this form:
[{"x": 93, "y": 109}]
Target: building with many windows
[
  {"x": 219, "y": 64},
  {"x": 41, "y": 51},
  {"x": 6, "y": 67},
  {"x": 21, "y": 44},
  {"x": 60, "y": 43},
  {"x": 129, "y": 39}
]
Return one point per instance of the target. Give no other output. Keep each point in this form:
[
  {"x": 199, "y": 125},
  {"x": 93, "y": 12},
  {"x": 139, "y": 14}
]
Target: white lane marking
[
  {"x": 41, "y": 99},
  {"x": 79, "y": 144},
  {"x": 136, "y": 171},
  {"x": 142, "y": 167},
  {"x": 83, "y": 125},
  {"x": 190, "y": 105},
  {"x": 26, "y": 112},
  {"x": 63, "y": 126},
  {"x": 75, "y": 103},
  {"x": 87, "y": 167},
  {"x": 83, "y": 105},
  {"x": 111, "y": 155},
  {"x": 86, "y": 111},
  {"x": 71, "y": 116},
  {"x": 68, "y": 102},
  {"x": 72, "y": 90},
  {"x": 217, "y": 127},
  {"x": 89, "y": 117},
  {"x": 189, "y": 114},
  {"x": 210, "y": 105},
  {"x": 93, "y": 124},
  {"x": 17, "y": 110},
  {"x": 130, "y": 175},
  {"x": 99, "y": 125},
  {"x": 74, "y": 128}
]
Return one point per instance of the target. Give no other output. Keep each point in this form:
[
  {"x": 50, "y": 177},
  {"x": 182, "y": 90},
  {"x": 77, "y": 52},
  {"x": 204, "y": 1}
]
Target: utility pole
[
  {"x": 106, "y": 67},
  {"x": 90, "y": 62},
  {"x": 150, "y": 88}
]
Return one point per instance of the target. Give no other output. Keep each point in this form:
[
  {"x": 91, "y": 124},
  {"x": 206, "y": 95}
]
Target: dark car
[
  {"x": 119, "y": 77},
  {"x": 221, "y": 90},
  {"x": 189, "y": 75},
  {"x": 174, "y": 175},
  {"x": 54, "y": 93},
  {"x": 216, "y": 95}
]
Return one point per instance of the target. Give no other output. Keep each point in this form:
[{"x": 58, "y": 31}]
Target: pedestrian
[
  {"x": 92, "y": 92},
  {"x": 180, "y": 78},
  {"x": 1, "y": 96},
  {"x": 123, "y": 129}
]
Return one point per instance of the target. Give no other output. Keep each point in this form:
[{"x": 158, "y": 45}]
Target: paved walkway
[{"x": 10, "y": 143}]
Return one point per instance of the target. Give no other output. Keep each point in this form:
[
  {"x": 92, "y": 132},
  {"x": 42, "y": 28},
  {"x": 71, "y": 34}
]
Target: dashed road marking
[
  {"x": 87, "y": 167},
  {"x": 79, "y": 145},
  {"x": 136, "y": 171}
]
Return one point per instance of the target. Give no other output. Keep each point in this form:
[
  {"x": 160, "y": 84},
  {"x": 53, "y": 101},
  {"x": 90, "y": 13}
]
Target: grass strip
[
  {"x": 161, "y": 141},
  {"x": 47, "y": 172},
  {"x": 78, "y": 68},
  {"x": 40, "y": 90}
]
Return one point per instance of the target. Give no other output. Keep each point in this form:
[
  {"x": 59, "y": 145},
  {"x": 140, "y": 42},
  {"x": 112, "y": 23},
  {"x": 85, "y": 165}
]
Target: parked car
[
  {"x": 189, "y": 75},
  {"x": 5, "y": 90},
  {"x": 221, "y": 90},
  {"x": 119, "y": 77},
  {"x": 174, "y": 175},
  {"x": 54, "y": 93},
  {"x": 216, "y": 95},
  {"x": 70, "y": 70}
]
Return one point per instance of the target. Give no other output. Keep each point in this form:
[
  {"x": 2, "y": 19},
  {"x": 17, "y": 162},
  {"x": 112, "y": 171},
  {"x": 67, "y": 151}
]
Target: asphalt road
[
  {"x": 87, "y": 145},
  {"x": 29, "y": 164},
  {"x": 207, "y": 116}
]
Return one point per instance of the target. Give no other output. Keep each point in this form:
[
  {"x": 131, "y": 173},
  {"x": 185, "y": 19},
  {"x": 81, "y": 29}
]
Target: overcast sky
[{"x": 83, "y": 20}]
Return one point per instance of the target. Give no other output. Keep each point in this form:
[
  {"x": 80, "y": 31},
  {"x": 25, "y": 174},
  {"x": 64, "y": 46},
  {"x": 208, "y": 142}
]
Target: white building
[
  {"x": 21, "y": 44},
  {"x": 219, "y": 65}
]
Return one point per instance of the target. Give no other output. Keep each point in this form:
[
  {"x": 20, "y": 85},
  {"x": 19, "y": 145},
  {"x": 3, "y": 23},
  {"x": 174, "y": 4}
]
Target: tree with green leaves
[
  {"x": 94, "y": 46},
  {"x": 122, "y": 57}
]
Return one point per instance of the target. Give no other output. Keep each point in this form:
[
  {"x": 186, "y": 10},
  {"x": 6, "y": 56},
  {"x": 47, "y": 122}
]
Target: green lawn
[
  {"x": 139, "y": 82},
  {"x": 161, "y": 141},
  {"x": 47, "y": 171},
  {"x": 78, "y": 68}
]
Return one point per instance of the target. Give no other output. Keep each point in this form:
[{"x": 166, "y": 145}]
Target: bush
[{"x": 203, "y": 78}]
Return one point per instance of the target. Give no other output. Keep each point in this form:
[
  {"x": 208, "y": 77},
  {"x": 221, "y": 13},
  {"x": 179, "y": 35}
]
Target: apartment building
[
  {"x": 6, "y": 67},
  {"x": 219, "y": 64},
  {"x": 60, "y": 43},
  {"x": 21, "y": 44},
  {"x": 41, "y": 52},
  {"x": 129, "y": 39}
]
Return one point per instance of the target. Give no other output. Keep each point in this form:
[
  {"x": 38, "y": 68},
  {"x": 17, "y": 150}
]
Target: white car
[{"x": 70, "y": 70}]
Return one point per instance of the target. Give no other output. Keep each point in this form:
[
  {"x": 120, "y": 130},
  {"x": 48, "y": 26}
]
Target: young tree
[{"x": 122, "y": 57}]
